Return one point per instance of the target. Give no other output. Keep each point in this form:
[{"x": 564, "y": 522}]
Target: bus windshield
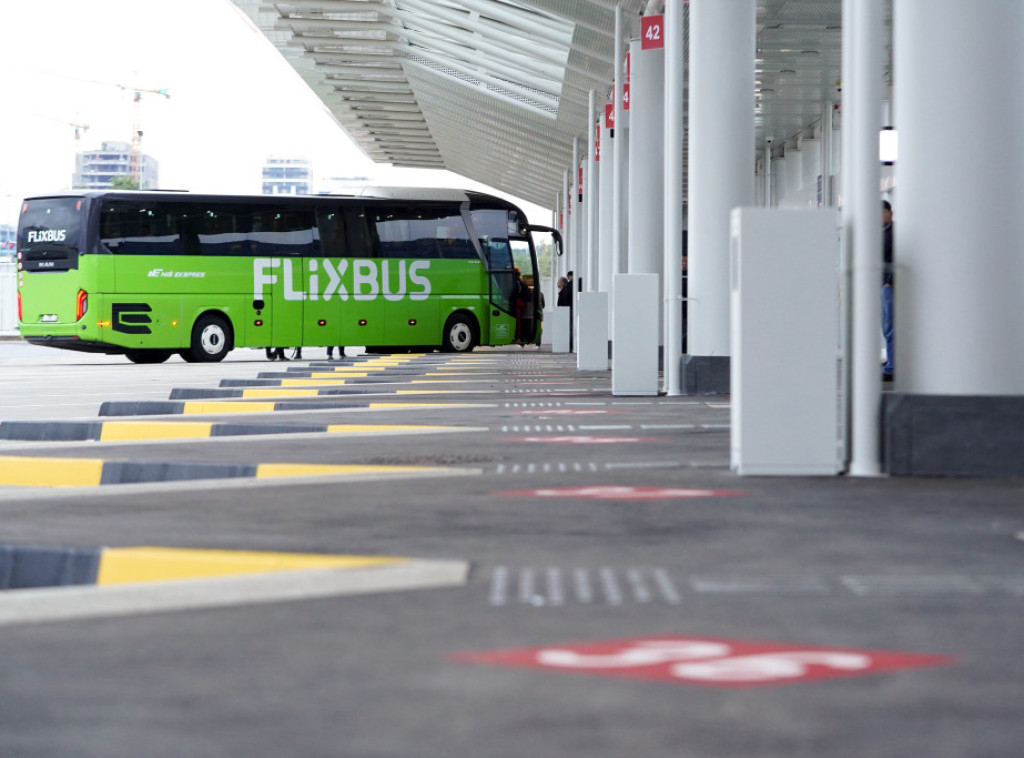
[{"x": 48, "y": 234}]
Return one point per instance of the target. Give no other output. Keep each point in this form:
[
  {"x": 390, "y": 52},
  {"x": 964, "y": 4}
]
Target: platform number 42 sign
[{"x": 651, "y": 32}]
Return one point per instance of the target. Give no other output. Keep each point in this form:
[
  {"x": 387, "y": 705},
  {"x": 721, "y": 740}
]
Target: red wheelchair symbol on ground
[
  {"x": 616, "y": 492},
  {"x": 703, "y": 661}
]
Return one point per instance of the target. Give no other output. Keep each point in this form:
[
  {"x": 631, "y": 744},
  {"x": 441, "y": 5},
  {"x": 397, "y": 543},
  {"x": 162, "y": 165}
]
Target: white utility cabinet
[
  {"x": 784, "y": 376},
  {"x": 556, "y": 324},
  {"x": 635, "y": 334},
  {"x": 592, "y": 331}
]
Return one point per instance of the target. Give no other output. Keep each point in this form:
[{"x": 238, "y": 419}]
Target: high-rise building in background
[
  {"x": 96, "y": 169},
  {"x": 287, "y": 176}
]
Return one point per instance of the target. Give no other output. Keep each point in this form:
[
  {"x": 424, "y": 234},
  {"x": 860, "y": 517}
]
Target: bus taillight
[
  {"x": 81, "y": 304},
  {"x": 19, "y": 307}
]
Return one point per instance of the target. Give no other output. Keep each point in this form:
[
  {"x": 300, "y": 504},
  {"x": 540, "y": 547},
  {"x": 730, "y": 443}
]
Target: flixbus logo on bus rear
[
  {"x": 362, "y": 280},
  {"x": 46, "y": 235}
]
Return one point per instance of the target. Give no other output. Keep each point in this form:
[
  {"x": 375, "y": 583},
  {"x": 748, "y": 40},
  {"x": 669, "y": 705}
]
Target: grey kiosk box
[{"x": 785, "y": 342}]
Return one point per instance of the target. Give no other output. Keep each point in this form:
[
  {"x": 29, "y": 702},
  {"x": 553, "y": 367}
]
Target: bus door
[
  {"x": 282, "y": 241},
  {"x": 361, "y": 306},
  {"x": 422, "y": 250},
  {"x": 525, "y": 290},
  {"x": 322, "y": 324}
]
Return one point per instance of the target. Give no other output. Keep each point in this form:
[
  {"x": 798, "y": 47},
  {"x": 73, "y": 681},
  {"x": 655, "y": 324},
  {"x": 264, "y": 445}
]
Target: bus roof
[{"x": 369, "y": 193}]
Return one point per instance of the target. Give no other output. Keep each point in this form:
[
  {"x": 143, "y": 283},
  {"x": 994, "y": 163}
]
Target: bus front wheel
[
  {"x": 211, "y": 338},
  {"x": 459, "y": 334}
]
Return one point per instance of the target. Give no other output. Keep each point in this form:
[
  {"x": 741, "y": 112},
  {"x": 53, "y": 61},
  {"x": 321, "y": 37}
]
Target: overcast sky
[{"x": 233, "y": 99}]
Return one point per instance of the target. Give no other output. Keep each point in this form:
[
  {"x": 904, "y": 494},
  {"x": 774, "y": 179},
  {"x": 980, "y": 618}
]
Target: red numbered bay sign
[
  {"x": 703, "y": 661},
  {"x": 652, "y": 32}
]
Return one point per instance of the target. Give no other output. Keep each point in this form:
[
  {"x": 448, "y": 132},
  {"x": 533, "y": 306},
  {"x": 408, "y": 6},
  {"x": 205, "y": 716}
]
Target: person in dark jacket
[
  {"x": 564, "y": 292},
  {"x": 888, "y": 328}
]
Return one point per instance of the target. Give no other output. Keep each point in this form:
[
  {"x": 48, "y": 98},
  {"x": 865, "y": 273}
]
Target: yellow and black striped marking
[
  {"x": 25, "y": 567},
  {"x": 25, "y": 471},
  {"x": 131, "y": 431}
]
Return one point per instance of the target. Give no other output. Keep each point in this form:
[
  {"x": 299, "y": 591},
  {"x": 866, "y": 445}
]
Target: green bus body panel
[{"x": 158, "y": 299}]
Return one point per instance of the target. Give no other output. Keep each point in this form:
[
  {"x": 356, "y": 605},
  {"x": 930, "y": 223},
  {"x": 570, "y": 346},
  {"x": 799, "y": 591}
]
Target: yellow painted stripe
[
  {"x": 226, "y": 406},
  {"x": 279, "y": 393},
  {"x": 22, "y": 471},
  {"x": 331, "y": 374},
  {"x": 272, "y": 470},
  {"x": 154, "y": 564},
  {"x": 311, "y": 382},
  {"x": 119, "y": 431}
]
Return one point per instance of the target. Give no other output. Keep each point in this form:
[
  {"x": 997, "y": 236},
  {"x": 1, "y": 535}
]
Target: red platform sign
[
  {"x": 702, "y": 661},
  {"x": 652, "y": 32}
]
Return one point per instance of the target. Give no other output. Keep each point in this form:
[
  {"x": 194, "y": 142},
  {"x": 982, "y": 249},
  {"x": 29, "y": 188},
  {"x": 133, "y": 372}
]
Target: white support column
[
  {"x": 556, "y": 215},
  {"x": 618, "y": 149},
  {"x": 959, "y": 209},
  {"x": 675, "y": 57},
  {"x": 646, "y": 164},
  {"x": 593, "y": 187},
  {"x": 574, "y": 183},
  {"x": 826, "y": 154},
  {"x": 606, "y": 250},
  {"x": 721, "y": 155},
  {"x": 862, "y": 120},
  {"x": 563, "y": 262}
]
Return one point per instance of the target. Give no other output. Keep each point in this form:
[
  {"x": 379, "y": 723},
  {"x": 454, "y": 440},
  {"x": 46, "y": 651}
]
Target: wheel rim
[
  {"x": 461, "y": 336},
  {"x": 212, "y": 339}
]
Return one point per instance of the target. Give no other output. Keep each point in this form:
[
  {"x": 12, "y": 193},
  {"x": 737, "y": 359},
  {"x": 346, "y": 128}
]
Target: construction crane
[
  {"x": 79, "y": 128},
  {"x": 136, "y": 141}
]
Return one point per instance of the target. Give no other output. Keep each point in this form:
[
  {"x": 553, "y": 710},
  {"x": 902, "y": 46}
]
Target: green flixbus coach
[{"x": 151, "y": 274}]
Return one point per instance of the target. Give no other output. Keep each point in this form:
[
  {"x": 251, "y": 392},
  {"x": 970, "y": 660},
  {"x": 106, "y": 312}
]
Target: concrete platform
[{"x": 626, "y": 593}]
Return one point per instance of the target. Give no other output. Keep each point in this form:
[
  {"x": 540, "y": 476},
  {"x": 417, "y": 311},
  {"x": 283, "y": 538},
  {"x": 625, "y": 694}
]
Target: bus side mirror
[{"x": 555, "y": 234}]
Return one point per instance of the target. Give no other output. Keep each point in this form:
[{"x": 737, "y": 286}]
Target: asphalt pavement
[{"x": 477, "y": 555}]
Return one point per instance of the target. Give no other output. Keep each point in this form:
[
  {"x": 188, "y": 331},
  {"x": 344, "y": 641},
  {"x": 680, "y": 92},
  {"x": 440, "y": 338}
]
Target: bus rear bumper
[{"x": 74, "y": 343}]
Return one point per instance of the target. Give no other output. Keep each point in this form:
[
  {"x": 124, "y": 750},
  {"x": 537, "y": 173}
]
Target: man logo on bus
[{"x": 366, "y": 280}]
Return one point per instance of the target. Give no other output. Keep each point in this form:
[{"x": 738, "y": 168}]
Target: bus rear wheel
[
  {"x": 147, "y": 356},
  {"x": 211, "y": 338},
  {"x": 459, "y": 334}
]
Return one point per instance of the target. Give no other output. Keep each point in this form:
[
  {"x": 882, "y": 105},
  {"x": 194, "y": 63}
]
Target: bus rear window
[{"x": 49, "y": 231}]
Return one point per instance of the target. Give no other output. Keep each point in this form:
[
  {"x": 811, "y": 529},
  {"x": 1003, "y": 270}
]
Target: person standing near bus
[
  {"x": 564, "y": 292},
  {"x": 330, "y": 352}
]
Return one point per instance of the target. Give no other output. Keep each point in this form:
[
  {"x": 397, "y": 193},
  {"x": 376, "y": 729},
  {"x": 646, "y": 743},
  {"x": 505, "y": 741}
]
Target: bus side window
[
  {"x": 331, "y": 227},
  {"x": 362, "y": 242},
  {"x": 425, "y": 232},
  {"x": 276, "y": 231},
  {"x": 130, "y": 228}
]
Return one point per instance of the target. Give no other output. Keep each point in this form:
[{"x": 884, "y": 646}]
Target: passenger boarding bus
[{"x": 150, "y": 274}]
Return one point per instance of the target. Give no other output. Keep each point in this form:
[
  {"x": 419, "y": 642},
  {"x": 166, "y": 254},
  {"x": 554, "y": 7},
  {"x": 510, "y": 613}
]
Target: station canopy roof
[{"x": 496, "y": 90}]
